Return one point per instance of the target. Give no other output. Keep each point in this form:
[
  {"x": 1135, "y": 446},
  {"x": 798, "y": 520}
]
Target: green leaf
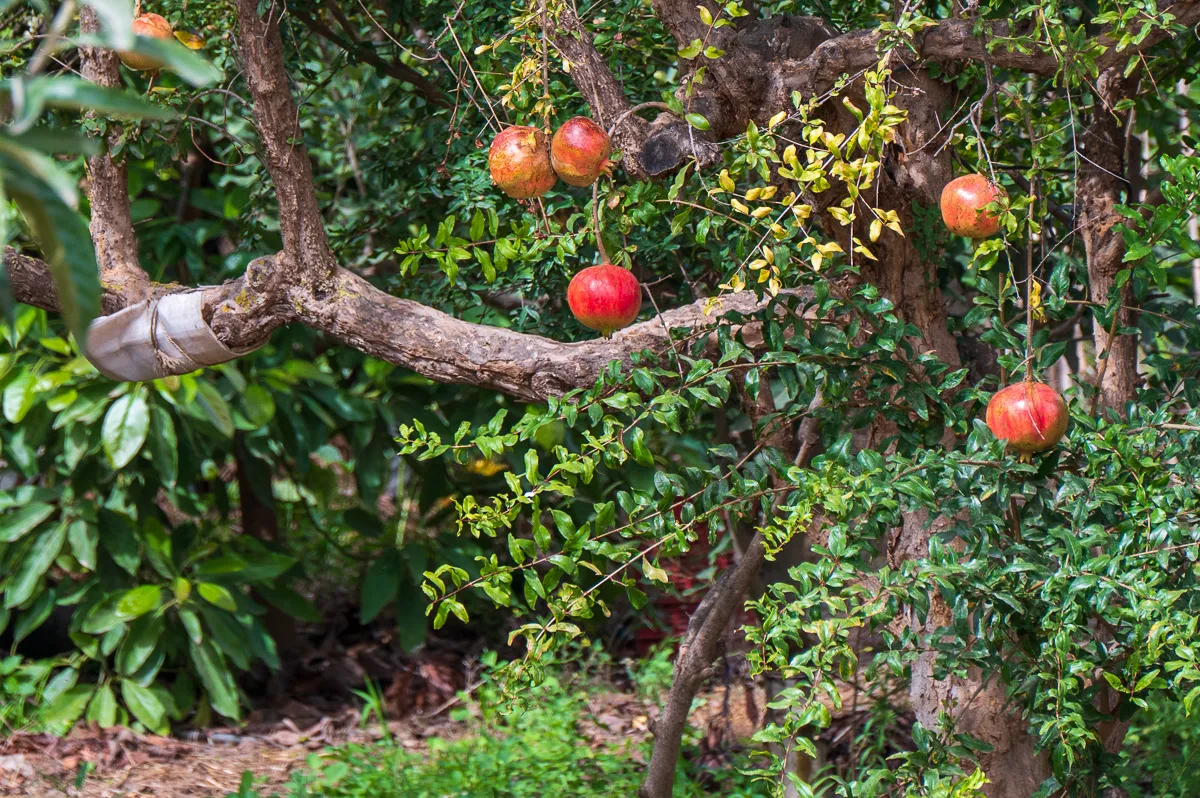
[
  {"x": 381, "y": 584},
  {"x": 83, "y": 539},
  {"x": 42, "y": 167},
  {"x": 217, "y": 595},
  {"x": 290, "y": 602},
  {"x": 125, "y": 428},
  {"x": 163, "y": 446},
  {"x": 139, "y": 644},
  {"x": 65, "y": 241},
  {"x": 103, "y": 708},
  {"x": 259, "y": 405},
  {"x": 697, "y": 121},
  {"x": 217, "y": 680},
  {"x": 145, "y": 706},
  {"x": 14, "y": 526},
  {"x": 411, "y": 624},
  {"x": 102, "y": 616},
  {"x": 35, "y": 616},
  {"x": 64, "y": 680},
  {"x": 60, "y": 716},
  {"x": 213, "y": 408},
  {"x": 138, "y": 601},
  {"x": 36, "y": 562},
  {"x": 19, "y": 396},
  {"x": 116, "y": 17},
  {"x": 191, "y": 622}
]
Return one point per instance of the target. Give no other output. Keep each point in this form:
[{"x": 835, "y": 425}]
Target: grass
[{"x": 536, "y": 753}]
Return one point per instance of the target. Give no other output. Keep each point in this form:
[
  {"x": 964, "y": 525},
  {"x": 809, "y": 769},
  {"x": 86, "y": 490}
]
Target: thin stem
[
  {"x": 1029, "y": 285},
  {"x": 596, "y": 222}
]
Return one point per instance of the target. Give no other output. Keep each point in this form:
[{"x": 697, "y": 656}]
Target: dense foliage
[{"x": 1069, "y": 578}]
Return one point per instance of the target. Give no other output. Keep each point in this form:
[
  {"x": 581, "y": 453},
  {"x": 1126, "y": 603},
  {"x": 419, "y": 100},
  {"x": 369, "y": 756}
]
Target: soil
[{"x": 122, "y": 764}]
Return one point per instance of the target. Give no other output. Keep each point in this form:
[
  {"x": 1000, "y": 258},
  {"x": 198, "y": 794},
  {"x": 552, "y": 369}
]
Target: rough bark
[
  {"x": 283, "y": 150},
  {"x": 590, "y": 73},
  {"x": 1101, "y": 187},
  {"x": 107, "y": 186},
  {"x": 437, "y": 345}
]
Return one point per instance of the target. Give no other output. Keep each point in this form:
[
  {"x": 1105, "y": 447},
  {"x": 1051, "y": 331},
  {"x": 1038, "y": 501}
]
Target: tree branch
[
  {"x": 245, "y": 311},
  {"x": 1101, "y": 185},
  {"x": 365, "y": 53},
  {"x": 107, "y": 186},
  {"x": 957, "y": 40},
  {"x": 697, "y": 650},
  {"x": 595, "y": 81},
  {"x": 300, "y": 222}
]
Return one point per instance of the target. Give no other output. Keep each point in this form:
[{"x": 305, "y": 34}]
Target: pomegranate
[
  {"x": 155, "y": 27},
  {"x": 964, "y": 200},
  {"x": 579, "y": 151},
  {"x": 1031, "y": 416},
  {"x": 605, "y": 297},
  {"x": 519, "y": 160}
]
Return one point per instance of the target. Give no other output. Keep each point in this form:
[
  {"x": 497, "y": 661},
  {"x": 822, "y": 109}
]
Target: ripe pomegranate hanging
[
  {"x": 519, "y": 160},
  {"x": 1031, "y": 416},
  {"x": 964, "y": 202},
  {"x": 579, "y": 151},
  {"x": 154, "y": 27},
  {"x": 605, "y": 297}
]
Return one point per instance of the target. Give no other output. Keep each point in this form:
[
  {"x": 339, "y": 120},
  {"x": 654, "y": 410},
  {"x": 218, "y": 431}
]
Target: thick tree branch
[
  {"x": 107, "y": 186},
  {"x": 596, "y": 82},
  {"x": 284, "y": 153},
  {"x": 1101, "y": 187},
  {"x": 958, "y": 40},
  {"x": 245, "y": 311},
  {"x": 697, "y": 650}
]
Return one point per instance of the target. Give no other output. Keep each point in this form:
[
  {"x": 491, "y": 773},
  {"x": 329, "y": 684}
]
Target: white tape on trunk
[{"x": 156, "y": 338}]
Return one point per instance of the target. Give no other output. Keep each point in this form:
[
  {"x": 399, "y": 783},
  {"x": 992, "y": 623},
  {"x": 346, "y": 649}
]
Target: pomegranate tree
[
  {"x": 605, "y": 297},
  {"x": 154, "y": 27},
  {"x": 1031, "y": 416},
  {"x": 579, "y": 151},
  {"x": 519, "y": 160},
  {"x": 964, "y": 206}
]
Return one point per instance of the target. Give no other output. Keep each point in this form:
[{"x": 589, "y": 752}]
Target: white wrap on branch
[{"x": 156, "y": 338}]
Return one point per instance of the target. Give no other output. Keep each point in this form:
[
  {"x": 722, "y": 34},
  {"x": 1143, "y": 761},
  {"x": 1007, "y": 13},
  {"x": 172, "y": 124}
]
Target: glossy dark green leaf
[
  {"x": 125, "y": 428},
  {"x": 16, "y": 524},
  {"x": 381, "y": 584},
  {"x": 37, "y": 560},
  {"x": 144, "y": 705},
  {"x": 60, "y": 716},
  {"x": 64, "y": 240}
]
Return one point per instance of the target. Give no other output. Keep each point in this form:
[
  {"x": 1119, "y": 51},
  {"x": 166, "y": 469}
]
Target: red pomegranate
[
  {"x": 1031, "y": 416},
  {"x": 154, "y": 27},
  {"x": 519, "y": 160},
  {"x": 964, "y": 200},
  {"x": 605, "y": 297},
  {"x": 579, "y": 151}
]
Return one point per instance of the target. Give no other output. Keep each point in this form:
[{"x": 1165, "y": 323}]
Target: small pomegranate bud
[
  {"x": 519, "y": 160},
  {"x": 579, "y": 151},
  {"x": 964, "y": 202},
  {"x": 605, "y": 297},
  {"x": 155, "y": 27},
  {"x": 1031, "y": 416}
]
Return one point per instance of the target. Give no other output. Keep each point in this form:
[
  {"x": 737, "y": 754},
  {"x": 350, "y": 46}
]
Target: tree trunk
[{"x": 977, "y": 703}]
